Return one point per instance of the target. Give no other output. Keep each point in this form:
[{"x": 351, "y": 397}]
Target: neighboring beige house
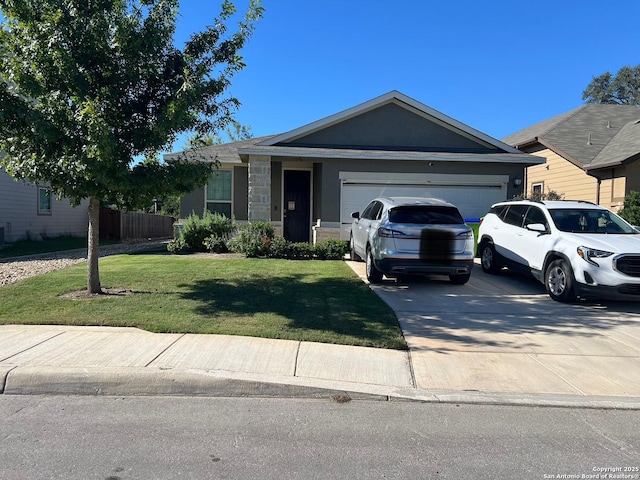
[
  {"x": 308, "y": 181},
  {"x": 592, "y": 154}
]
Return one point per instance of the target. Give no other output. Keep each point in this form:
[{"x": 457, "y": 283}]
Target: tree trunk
[{"x": 93, "y": 253}]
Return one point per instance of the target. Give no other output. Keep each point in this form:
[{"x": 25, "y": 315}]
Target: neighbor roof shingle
[{"x": 592, "y": 135}]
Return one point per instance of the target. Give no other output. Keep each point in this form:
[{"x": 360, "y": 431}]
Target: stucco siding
[
  {"x": 19, "y": 213},
  {"x": 562, "y": 177}
]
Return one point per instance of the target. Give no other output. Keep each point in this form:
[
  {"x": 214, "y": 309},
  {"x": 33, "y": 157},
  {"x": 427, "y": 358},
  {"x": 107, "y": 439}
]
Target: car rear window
[{"x": 425, "y": 214}]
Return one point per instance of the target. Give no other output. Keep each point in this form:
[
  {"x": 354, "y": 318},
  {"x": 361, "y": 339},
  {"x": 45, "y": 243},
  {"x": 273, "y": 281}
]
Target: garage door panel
[
  {"x": 355, "y": 197},
  {"x": 473, "y": 200}
]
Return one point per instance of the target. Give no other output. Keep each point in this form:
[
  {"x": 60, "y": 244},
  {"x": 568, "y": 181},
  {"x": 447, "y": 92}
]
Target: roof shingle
[{"x": 592, "y": 136}]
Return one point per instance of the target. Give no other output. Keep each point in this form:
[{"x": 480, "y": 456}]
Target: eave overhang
[{"x": 351, "y": 154}]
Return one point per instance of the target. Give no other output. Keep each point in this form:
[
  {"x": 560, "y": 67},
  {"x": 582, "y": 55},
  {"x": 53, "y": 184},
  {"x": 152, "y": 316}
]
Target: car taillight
[{"x": 388, "y": 233}]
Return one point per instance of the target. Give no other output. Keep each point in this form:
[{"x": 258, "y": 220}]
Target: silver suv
[
  {"x": 573, "y": 248},
  {"x": 412, "y": 236}
]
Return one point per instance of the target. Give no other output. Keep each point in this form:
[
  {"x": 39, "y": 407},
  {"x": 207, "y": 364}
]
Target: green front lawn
[{"x": 317, "y": 301}]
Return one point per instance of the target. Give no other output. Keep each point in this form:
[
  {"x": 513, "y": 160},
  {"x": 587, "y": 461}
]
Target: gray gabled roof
[
  {"x": 591, "y": 136},
  {"x": 284, "y": 145},
  {"x": 398, "y": 98}
]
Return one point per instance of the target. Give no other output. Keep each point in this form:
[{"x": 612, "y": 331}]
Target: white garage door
[{"x": 473, "y": 201}]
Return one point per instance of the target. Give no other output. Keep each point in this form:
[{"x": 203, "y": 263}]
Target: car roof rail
[{"x": 579, "y": 201}]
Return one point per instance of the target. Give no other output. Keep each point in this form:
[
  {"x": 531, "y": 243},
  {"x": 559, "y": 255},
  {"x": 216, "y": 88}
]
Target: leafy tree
[
  {"x": 87, "y": 88},
  {"x": 622, "y": 88},
  {"x": 234, "y": 132},
  {"x": 631, "y": 208}
]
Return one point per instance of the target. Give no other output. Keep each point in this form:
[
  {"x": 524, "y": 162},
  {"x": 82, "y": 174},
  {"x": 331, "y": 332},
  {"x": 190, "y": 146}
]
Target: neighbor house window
[
  {"x": 219, "y": 192},
  {"x": 537, "y": 188},
  {"x": 44, "y": 201}
]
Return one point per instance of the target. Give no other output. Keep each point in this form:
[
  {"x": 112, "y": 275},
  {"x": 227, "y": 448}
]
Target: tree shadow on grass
[{"x": 331, "y": 307}]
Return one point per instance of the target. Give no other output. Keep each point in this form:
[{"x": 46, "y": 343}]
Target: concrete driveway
[{"x": 502, "y": 333}]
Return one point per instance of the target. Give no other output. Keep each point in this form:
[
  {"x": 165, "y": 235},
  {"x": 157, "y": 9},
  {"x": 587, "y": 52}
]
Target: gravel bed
[{"x": 15, "y": 269}]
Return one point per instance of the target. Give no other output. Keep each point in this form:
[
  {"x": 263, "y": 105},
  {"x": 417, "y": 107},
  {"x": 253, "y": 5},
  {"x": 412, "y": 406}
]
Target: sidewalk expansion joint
[
  {"x": 165, "y": 349},
  {"x": 414, "y": 382},
  {"x": 295, "y": 363},
  {"x": 32, "y": 346},
  {"x": 533, "y": 356}
]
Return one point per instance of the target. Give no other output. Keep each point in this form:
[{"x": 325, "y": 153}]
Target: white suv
[{"x": 573, "y": 248}]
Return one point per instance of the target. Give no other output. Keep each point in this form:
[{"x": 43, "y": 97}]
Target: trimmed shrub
[
  {"x": 253, "y": 239},
  {"x": 195, "y": 229},
  {"x": 300, "y": 251},
  {"x": 331, "y": 249},
  {"x": 177, "y": 246},
  {"x": 218, "y": 224},
  {"x": 278, "y": 248},
  {"x": 215, "y": 244}
]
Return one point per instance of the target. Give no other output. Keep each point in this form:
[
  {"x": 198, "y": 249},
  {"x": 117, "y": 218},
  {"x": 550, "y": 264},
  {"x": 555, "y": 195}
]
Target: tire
[
  {"x": 489, "y": 259},
  {"x": 558, "y": 281},
  {"x": 373, "y": 274},
  {"x": 460, "y": 279},
  {"x": 353, "y": 256}
]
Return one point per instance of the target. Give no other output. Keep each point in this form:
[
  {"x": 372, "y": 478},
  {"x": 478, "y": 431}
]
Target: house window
[
  {"x": 44, "y": 201},
  {"x": 219, "y": 193},
  {"x": 537, "y": 188}
]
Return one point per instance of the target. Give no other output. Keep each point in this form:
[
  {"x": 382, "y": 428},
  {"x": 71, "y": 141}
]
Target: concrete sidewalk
[
  {"x": 126, "y": 361},
  {"x": 497, "y": 340}
]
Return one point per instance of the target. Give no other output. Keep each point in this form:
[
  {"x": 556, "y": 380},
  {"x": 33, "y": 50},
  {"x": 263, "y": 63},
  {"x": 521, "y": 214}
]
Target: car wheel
[
  {"x": 373, "y": 274},
  {"x": 460, "y": 279},
  {"x": 559, "y": 281},
  {"x": 489, "y": 258},
  {"x": 353, "y": 256}
]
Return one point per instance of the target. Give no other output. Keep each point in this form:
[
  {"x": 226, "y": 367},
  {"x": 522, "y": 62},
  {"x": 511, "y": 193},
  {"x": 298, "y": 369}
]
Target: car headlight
[{"x": 588, "y": 254}]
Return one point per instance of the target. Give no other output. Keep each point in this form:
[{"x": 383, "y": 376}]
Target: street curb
[{"x": 146, "y": 381}]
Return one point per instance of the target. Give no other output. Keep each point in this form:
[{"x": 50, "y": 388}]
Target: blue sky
[{"x": 497, "y": 65}]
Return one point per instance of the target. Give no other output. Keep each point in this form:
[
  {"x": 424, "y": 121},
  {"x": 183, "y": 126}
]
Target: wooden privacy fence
[{"x": 134, "y": 225}]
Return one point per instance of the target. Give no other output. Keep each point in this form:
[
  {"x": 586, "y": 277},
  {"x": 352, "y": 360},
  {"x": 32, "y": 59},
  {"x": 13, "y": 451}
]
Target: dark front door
[{"x": 297, "y": 205}]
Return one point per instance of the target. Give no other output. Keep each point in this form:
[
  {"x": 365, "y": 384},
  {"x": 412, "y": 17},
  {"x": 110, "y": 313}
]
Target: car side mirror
[
  {"x": 355, "y": 215},
  {"x": 536, "y": 227}
]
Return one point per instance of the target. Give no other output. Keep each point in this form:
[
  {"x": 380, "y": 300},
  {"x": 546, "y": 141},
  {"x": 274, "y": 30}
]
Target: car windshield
[
  {"x": 425, "y": 214},
  {"x": 589, "y": 221}
]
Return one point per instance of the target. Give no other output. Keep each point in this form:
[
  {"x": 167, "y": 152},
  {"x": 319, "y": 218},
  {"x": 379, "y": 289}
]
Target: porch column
[{"x": 259, "y": 188}]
